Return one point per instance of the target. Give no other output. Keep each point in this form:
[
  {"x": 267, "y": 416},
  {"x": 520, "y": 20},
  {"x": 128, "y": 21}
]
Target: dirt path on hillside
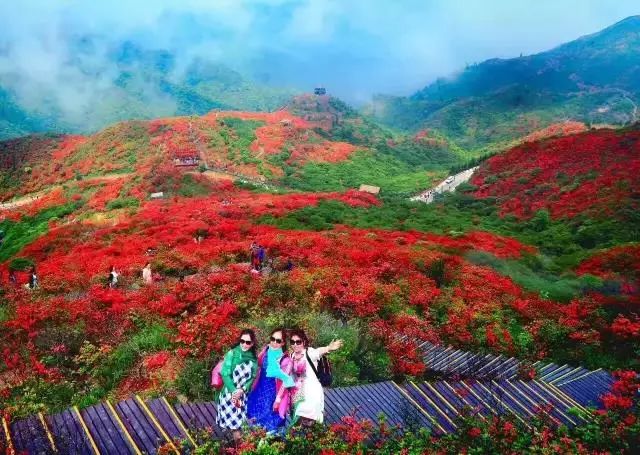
[
  {"x": 26, "y": 200},
  {"x": 429, "y": 195},
  {"x": 32, "y": 197},
  {"x": 216, "y": 174},
  {"x": 193, "y": 137}
]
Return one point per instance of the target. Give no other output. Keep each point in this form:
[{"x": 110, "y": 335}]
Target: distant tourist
[
  {"x": 289, "y": 266},
  {"x": 13, "y": 279},
  {"x": 147, "y": 276},
  {"x": 112, "y": 280},
  {"x": 262, "y": 255},
  {"x": 33, "y": 279},
  {"x": 238, "y": 372},
  {"x": 255, "y": 256},
  {"x": 269, "y": 401},
  {"x": 308, "y": 394}
]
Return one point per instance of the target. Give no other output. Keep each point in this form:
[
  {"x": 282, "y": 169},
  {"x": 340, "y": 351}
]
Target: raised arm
[{"x": 333, "y": 346}]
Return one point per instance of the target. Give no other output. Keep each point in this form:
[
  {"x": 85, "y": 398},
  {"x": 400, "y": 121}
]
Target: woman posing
[
  {"x": 308, "y": 395},
  {"x": 269, "y": 400},
  {"x": 238, "y": 372}
]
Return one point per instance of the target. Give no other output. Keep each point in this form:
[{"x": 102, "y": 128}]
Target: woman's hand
[
  {"x": 237, "y": 394},
  {"x": 276, "y": 405},
  {"x": 334, "y": 345}
]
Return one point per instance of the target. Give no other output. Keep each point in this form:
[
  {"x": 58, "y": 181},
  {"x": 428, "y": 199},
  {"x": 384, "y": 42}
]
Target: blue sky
[{"x": 355, "y": 48}]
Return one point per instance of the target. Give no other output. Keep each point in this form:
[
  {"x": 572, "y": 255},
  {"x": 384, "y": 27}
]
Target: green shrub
[
  {"x": 191, "y": 187},
  {"x": 122, "y": 203},
  {"x": 21, "y": 264},
  {"x": 194, "y": 380},
  {"x": 150, "y": 338},
  {"x": 436, "y": 270},
  {"x": 5, "y": 313},
  {"x": 19, "y": 234},
  {"x": 387, "y": 172},
  {"x": 38, "y": 395}
]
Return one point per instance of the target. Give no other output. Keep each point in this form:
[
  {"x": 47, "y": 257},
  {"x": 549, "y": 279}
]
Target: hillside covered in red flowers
[
  {"x": 594, "y": 173},
  {"x": 235, "y": 142},
  {"x": 84, "y": 205}
]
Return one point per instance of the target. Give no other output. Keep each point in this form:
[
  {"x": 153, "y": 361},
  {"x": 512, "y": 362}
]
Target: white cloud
[
  {"x": 374, "y": 46},
  {"x": 314, "y": 20}
]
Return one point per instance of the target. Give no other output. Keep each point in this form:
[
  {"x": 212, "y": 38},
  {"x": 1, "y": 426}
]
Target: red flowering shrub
[
  {"x": 626, "y": 327},
  {"x": 590, "y": 173},
  {"x": 351, "y": 430},
  {"x": 109, "y": 191},
  {"x": 620, "y": 264},
  {"x": 197, "y": 332},
  {"x": 157, "y": 360}
]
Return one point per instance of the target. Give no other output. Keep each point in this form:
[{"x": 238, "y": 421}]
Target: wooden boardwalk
[
  {"x": 484, "y": 385},
  {"x": 584, "y": 385}
]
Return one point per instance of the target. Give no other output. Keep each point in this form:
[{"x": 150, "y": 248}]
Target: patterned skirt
[
  {"x": 260, "y": 411},
  {"x": 230, "y": 416}
]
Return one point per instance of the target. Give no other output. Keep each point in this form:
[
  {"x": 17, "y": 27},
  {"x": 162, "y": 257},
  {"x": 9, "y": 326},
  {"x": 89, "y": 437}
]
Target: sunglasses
[
  {"x": 298, "y": 341},
  {"x": 247, "y": 342},
  {"x": 276, "y": 340}
]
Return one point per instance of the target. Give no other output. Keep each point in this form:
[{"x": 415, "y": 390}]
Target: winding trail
[
  {"x": 428, "y": 196},
  {"x": 31, "y": 197},
  {"x": 628, "y": 96}
]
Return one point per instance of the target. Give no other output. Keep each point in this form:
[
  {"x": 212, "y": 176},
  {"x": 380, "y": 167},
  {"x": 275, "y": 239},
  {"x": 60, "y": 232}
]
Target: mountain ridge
[
  {"x": 133, "y": 83},
  {"x": 594, "y": 79}
]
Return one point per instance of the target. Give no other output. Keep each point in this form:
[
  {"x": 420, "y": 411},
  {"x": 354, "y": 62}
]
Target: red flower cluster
[
  {"x": 623, "y": 392},
  {"x": 627, "y": 327},
  {"x": 352, "y": 430},
  {"x": 620, "y": 264},
  {"x": 618, "y": 261},
  {"x": 157, "y": 360}
]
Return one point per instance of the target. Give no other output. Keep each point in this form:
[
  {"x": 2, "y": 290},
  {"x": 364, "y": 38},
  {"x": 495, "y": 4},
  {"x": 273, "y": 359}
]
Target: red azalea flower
[{"x": 474, "y": 432}]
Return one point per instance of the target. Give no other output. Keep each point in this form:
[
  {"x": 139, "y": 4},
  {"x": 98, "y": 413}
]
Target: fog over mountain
[{"x": 65, "y": 52}]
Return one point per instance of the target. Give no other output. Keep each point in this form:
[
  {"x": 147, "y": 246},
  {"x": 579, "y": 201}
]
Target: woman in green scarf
[{"x": 238, "y": 372}]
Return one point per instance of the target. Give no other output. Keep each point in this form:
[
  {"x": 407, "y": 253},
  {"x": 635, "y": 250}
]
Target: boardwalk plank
[
  {"x": 140, "y": 431},
  {"x": 112, "y": 429},
  {"x": 165, "y": 419},
  {"x": 100, "y": 434}
]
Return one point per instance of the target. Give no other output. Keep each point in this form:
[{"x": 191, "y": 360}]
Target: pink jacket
[{"x": 286, "y": 365}]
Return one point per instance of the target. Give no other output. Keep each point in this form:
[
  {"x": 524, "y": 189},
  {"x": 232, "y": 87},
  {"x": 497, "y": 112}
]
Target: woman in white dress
[
  {"x": 308, "y": 395},
  {"x": 147, "y": 277},
  {"x": 113, "y": 277}
]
